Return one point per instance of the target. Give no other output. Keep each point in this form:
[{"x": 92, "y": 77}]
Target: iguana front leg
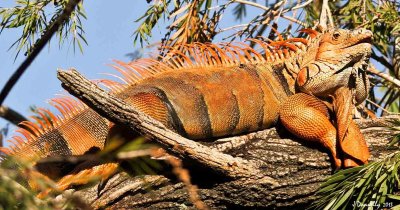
[
  {"x": 307, "y": 117},
  {"x": 351, "y": 141},
  {"x": 346, "y": 89}
]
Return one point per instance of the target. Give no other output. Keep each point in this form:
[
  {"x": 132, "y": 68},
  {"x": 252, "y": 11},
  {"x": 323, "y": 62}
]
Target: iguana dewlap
[{"x": 206, "y": 91}]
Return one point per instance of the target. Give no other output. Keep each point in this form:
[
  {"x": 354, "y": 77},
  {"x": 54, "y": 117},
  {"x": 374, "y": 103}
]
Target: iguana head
[
  {"x": 344, "y": 47},
  {"x": 340, "y": 57}
]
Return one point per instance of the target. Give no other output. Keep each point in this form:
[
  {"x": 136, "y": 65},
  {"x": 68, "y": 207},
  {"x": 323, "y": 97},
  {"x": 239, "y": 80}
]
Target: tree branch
[
  {"x": 325, "y": 15},
  {"x": 298, "y": 169},
  {"x": 11, "y": 115},
  {"x": 372, "y": 69},
  {"x": 381, "y": 60},
  {"x": 69, "y": 8},
  {"x": 120, "y": 112}
]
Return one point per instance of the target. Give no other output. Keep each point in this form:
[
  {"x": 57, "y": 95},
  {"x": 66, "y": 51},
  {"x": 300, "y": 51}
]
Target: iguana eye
[{"x": 336, "y": 35}]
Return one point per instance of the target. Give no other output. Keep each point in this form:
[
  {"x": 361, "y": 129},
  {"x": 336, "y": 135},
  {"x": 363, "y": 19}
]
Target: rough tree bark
[{"x": 263, "y": 170}]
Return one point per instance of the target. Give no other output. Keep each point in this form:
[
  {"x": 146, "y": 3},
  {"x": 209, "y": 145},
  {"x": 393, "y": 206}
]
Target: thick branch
[
  {"x": 38, "y": 47},
  {"x": 120, "y": 112},
  {"x": 11, "y": 115}
]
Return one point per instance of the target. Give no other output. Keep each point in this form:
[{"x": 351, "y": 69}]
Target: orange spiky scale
[
  {"x": 5, "y": 150},
  {"x": 59, "y": 107},
  {"x": 263, "y": 45},
  {"x": 231, "y": 56},
  {"x": 211, "y": 55},
  {"x": 146, "y": 66},
  {"x": 279, "y": 44},
  {"x": 222, "y": 54},
  {"x": 114, "y": 86},
  {"x": 202, "y": 58},
  {"x": 173, "y": 51},
  {"x": 19, "y": 139},
  {"x": 174, "y": 62},
  {"x": 111, "y": 81},
  {"x": 214, "y": 50},
  {"x": 312, "y": 33},
  {"x": 207, "y": 57},
  {"x": 256, "y": 55},
  {"x": 194, "y": 55},
  {"x": 33, "y": 127},
  {"x": 131, "y": 77},
  {"x": 52, "y": 117},
  {"x": 247, "y": 55},
  {"x": 236, "y": 50},
  {"x": 67, "y": 107},
  {"x": 28, "y": 136},
  {"x": 199, "y": 52},
  {"x": 128, "y": 77},
  {"x": 11, "y": 142},
  {"x": 12, "y": 148},
  {"x": 64, "y": 108},
  {"x": 180, "y": 62},
  {"x": 67, "y": 102},
  {"x": 42, "y": 113},
  {"x": 280, "y": 54}
]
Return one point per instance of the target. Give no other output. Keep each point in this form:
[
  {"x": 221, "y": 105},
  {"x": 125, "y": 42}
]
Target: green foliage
[
  {"x": 134, "y": 154},
  {"x": 33, "y": 17},
  {"x": 240, "y": 11},
  {"x": 150, "y": 19},
  {"x": 382, "y": 19},
  {"x": 363, "y": 187},
  {"x": 190, "y": 21},
  {"x": 396, "y": 139},
  {"x": 16, "y": 195}
]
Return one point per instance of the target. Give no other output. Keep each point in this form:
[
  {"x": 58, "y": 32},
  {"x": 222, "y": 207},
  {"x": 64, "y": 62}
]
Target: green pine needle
[{"x": 364, "y": 187}]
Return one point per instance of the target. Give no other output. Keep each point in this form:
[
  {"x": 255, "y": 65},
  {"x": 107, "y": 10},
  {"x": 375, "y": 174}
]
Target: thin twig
[
  {"x": 301, "y": 5},
  {"x": 233, "y": 27},
  {"x": 135, "y": 154},
  {"x": 69, "y": 8},
  {"x": 280, "y": 12},
  {"x": 254, "y": 4},
  {"x": 380, "y": 107},
  {"x": 372, "y": 69},
  {"x": 294, "y": 20},
  {"x": 381, "y": 59}
]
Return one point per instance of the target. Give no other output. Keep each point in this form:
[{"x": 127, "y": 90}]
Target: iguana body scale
[{"x": 205, "y": 91}]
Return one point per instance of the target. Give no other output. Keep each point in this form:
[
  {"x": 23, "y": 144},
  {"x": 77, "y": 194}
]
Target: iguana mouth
[{"x": 366, "y": 40}]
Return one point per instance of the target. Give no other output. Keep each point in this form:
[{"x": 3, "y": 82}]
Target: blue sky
[{"x": 108, "y": 30}]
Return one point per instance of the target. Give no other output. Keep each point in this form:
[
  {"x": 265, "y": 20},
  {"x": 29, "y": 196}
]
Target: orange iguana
[{"x": 206, "y": 91}]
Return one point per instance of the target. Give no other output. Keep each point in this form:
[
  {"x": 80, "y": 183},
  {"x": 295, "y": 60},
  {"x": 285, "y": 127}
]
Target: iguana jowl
[{"x": 205, "y": 91}]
